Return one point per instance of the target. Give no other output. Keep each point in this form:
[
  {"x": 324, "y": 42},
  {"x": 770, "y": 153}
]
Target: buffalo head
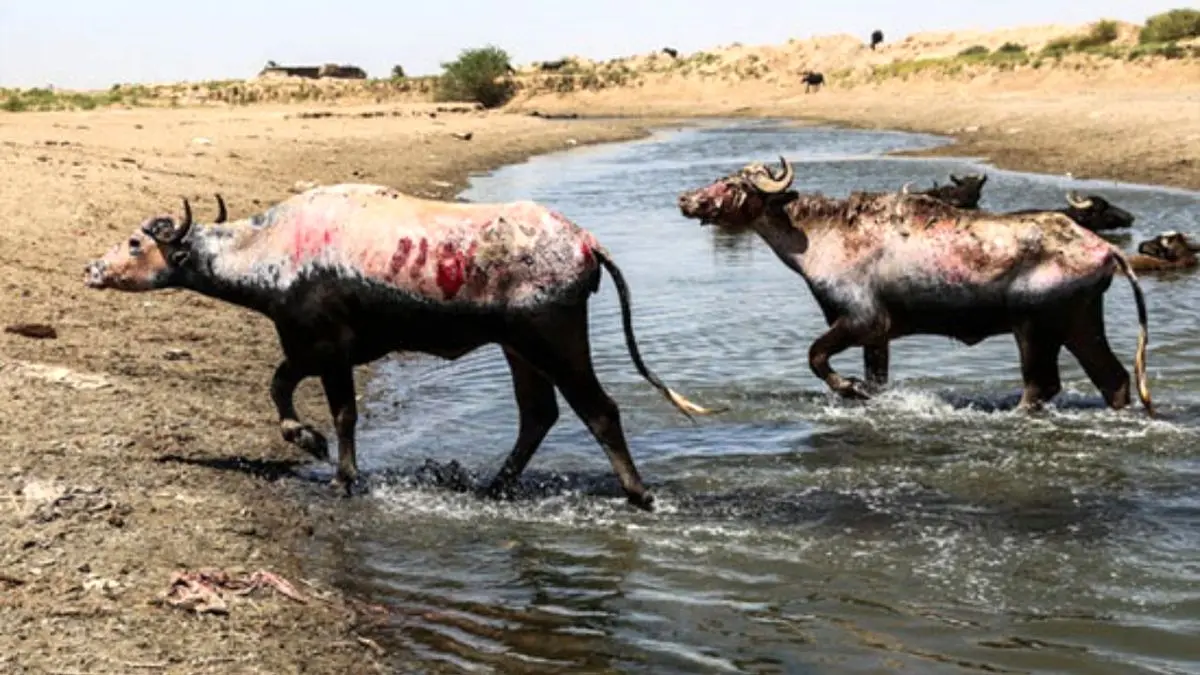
[
  {"x": 1170, "y": 247},
  {"x": 963, "y": 192},
  {"x": 151, "y": 257},
  {"x": 970, "y": 188},
  {"x": 1096, "y": 214},
  {"x": 739, "y": 199}
]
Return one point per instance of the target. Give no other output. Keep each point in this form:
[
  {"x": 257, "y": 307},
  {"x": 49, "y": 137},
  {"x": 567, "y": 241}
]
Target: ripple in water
[{"x": 931, "y": 530}]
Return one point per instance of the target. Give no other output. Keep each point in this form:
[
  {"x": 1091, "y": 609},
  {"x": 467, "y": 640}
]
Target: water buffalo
[
  {"x": 812, "y": 80},
  {"x": 876, "y": 38},
  {"x": 1167, "y": 251},
  {"x": 554, "y": 65},
  {"x": 964, "y": 191},
  {"x": 1092, "y": 212},
  {"x": 349, "y": 273},
  {"x": 885, "y": 265},
  {"x": 671, "y": 52}
]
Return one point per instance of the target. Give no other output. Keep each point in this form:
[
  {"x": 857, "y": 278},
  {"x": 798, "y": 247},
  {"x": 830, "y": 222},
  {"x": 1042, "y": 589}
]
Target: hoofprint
[
  {"x": 351, "y": 272},
  {"x": 886, "y": 265}
]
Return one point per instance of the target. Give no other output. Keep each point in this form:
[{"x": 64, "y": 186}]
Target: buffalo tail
[
  {"x": 678, "y": 400},
  {"x": 1139, "y": 359}
]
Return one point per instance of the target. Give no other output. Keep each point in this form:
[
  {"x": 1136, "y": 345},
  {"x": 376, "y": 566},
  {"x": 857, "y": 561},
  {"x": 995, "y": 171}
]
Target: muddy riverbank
[{"x": 1141, "y": 129}]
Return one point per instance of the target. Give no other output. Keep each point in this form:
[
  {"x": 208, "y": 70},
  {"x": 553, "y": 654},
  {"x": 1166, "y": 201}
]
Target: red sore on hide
[
  {"x": 400, "y": 257},
  {"x": 452, "y": 270}
]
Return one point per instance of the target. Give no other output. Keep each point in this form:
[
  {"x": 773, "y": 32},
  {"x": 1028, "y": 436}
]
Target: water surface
[{"x": 931, "y": 530}]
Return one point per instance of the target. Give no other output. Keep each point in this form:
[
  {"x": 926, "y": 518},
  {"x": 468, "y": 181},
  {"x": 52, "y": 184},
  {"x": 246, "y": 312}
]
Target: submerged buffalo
[
  {"x": 1092, "y": 212},
  {"x": 1168, "y": 251},
  {"x": 886, "y": 265},
  {"x": 964, "y": 192},
  {"x": 349, "y": 273}
]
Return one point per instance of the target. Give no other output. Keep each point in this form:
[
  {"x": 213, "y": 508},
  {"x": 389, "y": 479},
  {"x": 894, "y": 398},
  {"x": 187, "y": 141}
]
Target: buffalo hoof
[
  {"x": 306, "y": 438},
  {"x": 854, "y": 389},
  {"x": 343, "y": 486},
  {"x": 643, "y": 501},
  {"x": 496, "y": 491}
]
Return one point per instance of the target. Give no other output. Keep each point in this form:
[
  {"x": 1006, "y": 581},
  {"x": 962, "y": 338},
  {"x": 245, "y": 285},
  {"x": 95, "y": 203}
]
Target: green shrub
[
  {"x": 1101, "y": 33},
  {"x": 1011, "y": 48},
  {"x": 477, "y": 75},
  {"x": 1059, "y": 46},
  {"x": 397, "y": 72},
  {"x": 1177, "y": 24},
  {"x": 1167, "y": 50},
  {"x": 974, "y": 50}
]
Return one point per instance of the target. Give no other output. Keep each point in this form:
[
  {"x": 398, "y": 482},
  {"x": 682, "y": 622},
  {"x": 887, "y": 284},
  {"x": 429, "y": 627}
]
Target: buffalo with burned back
[
  {"x": 885, "y": 265},
  {"x": 349, "y": 273}
]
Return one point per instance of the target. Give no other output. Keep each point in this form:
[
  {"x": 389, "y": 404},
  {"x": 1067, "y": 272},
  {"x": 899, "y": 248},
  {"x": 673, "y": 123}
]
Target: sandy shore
[
  {"x": 141, "y": 440},
  {"x": 1122, "y": 124}
]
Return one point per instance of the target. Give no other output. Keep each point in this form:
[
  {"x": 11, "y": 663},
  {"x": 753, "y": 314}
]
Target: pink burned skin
[
  {"x": 349, "y": 273},
  {"x": 885, "y": 265}
]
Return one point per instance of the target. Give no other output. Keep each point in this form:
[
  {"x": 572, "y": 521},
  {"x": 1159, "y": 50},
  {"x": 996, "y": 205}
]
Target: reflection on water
[{"x": 931, "y": 530}]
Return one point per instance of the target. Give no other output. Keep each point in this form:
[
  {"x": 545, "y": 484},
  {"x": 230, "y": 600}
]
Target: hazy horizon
[{"x": 74, "y": 44}]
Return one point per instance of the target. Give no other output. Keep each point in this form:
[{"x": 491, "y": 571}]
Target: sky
[{"x": 96, "y": 43}]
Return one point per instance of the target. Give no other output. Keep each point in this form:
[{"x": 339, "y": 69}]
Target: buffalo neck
[
  {"x": 212, "y": 268},
  {"x": 780, "y": 229}
]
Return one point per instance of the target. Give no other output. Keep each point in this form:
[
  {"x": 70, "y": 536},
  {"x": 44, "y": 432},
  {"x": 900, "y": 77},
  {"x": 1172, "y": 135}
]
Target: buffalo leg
[
  {"x": 303, "y": 436},
  {"x": 538, "y": 409},
  {"x": 561, "y": 350},
  {"x": 875, "y": 365},
  {"x": 339, "y": 392},
  {"x": 1039, "y": 346},
  {"x": 840, "y": 337},
  {"x": 1088, "y": 344}
]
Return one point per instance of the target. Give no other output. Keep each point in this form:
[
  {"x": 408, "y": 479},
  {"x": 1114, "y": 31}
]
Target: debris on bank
[
  {"x": 205, "y": 591},
  {"x": 36, "y": 331}
]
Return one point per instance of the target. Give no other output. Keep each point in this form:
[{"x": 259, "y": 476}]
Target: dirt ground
[
  {"x": 140, "y": 440},
  {"x": 1127, "y": 122}
]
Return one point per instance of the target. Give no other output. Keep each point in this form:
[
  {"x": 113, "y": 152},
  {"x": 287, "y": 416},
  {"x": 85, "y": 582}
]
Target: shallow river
[{"x": 932, "y": 530}]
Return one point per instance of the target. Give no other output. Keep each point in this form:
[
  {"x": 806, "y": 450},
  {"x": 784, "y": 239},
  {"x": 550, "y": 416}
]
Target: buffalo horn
[
  {"x": 222, "y": 214},
  {"x": 770, "y": 184},
  {"x": 185, "y": 225},
  {"x": 904, "y": 188},
  {"x": 1077, "y": 202}
]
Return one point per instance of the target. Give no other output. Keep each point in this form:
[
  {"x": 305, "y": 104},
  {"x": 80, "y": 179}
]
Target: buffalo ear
[
  {"x": 776, "y": 202},
  {"x": 179, "y": 257}
]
